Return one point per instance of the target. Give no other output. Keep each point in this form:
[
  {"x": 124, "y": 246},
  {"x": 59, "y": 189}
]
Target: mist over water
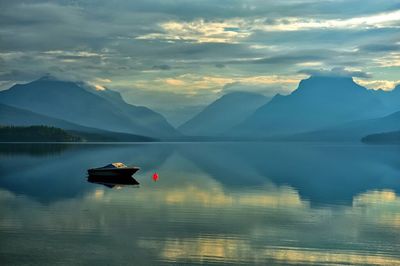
[{"x": 238, "y": 203}]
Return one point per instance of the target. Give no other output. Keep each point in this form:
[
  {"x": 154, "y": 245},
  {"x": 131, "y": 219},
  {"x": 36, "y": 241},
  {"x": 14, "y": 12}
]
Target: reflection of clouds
[
  {"x": 216, "y": 197},
  {"x": 381, "y": 207},
  {"x": 203, "y": 249},
  {"x": 4, "y": 194},
  {"x": 204, "y": 223},
  {"x": 327, "y": 257},
  {"x": 374, "y": 197},
  {"x": 98, "y": 194}
]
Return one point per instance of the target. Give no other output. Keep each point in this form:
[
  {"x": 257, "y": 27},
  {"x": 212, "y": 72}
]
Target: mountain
[
  {"x": 18, "y": 117},
  {"x": 391, "y": 99},
  {"x": 318, "y": 102},
  {"x": 223, "y": 114},
  {"x": 74, "y": 103},
  {"x": 383, "y": 138},
  {"x": 148, "y": 119},
  {"x": 352, "y": 131}
]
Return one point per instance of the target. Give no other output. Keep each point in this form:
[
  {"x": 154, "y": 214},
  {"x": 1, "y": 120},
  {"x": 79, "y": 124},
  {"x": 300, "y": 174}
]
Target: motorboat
[{"x": 113, "y": 170}]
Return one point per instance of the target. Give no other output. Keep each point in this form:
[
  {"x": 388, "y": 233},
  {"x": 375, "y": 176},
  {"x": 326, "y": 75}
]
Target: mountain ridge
[
  {"x": 318, "y": 102},
  {"x": 222, "y": 114},
  {"x": 12, "y": 116},
  {"x": 69, "y": 101}
]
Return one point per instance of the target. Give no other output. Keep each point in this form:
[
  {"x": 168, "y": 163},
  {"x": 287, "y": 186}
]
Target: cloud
[
  {"x": 337, "y": 71},
  {"x": 161, "y": 67},
  {"x": 205, "y": 44},
  {"x": 266, "y": 89},
  {"x": 199, "y": 31},
  {"x": 380, "y": 47},
  {"x": 386, "y": 85},
  {"x": 379, "y": 20}
]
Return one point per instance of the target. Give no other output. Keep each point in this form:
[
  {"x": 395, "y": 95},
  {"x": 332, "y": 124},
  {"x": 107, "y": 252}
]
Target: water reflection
[
  {"x": 33, "y": 149},
  {"x": 217, "y": 203},
  {"x": 113, "y": 181}
]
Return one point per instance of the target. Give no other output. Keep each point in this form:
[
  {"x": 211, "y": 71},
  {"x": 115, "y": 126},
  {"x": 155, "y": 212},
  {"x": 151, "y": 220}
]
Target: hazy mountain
[
  {"x": 223, "y": 114},
  {"x": 142, "y": 116},
  {"x": 352, "y": 131},
  {"x": 391, "y": 99},
  {"x": 72, "y": 102},
  {"x": 318, "y": 102},
  {"x": 18, "y": 117},
  {"x": 383, "y": 138}
]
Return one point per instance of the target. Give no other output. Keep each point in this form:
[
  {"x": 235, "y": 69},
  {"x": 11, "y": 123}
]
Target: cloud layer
[{"x": 193, "y": 50}]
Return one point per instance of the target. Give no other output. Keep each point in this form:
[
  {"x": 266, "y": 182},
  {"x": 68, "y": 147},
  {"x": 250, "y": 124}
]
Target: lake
[{"x": 213, "y": 203}]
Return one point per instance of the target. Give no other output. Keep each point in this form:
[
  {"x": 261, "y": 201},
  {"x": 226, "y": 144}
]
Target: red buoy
[{"x": 155, "y": 177}]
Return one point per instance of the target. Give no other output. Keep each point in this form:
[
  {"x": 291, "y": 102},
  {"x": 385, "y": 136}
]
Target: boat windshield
[{"x": 115, "y": 165}]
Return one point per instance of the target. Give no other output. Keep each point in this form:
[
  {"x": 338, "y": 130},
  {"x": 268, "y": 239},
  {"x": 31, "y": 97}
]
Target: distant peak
[
  {"x": 47, "y": 77},
  {"x": 241, "y": 93},
  {"x": 328, "y": 83},
  {"x": 330, "y": 77},
  {"x": 327, "y": 80}
]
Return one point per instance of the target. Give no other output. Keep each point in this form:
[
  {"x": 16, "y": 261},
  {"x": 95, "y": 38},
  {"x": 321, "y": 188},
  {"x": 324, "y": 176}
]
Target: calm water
[{"x": 214, "y": 203}]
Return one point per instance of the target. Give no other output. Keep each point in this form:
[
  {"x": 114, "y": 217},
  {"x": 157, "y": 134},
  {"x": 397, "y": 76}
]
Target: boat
[{"x": 112, "y": 170}]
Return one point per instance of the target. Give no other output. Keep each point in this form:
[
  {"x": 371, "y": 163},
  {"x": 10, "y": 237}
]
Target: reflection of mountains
[
  {"x": 32, "y": 149},
  {"x": 62, "y": 176},
  {"x": 320, "y": 173},
  {"x": 113, "y": 181}
]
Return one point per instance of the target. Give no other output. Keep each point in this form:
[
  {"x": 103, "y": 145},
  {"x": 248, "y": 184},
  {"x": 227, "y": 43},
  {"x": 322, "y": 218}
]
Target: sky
[{"x": 177, "y": 56}]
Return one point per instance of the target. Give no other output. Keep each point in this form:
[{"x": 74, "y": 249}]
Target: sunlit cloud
[
  {"x": 191, "y": 83},
  {"x": 199, "y": 31},
  {"x": 233, "y": 30},
  {"x": 175, "y": 82},
  {"x": 389, "y": 60},
  {"x": 310, "y": 64},
  {"x": 96, "y": 86},
  {"x": 72, "y": 53},
  {"x": 386, "y": 85},
  {"x": 103, "y": 80}
]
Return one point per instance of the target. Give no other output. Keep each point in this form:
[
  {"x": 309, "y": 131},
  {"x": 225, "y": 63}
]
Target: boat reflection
[{"x": 117, "y": 182}]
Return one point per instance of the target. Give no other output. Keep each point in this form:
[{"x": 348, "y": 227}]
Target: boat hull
[{"x": 112, "y": 172}]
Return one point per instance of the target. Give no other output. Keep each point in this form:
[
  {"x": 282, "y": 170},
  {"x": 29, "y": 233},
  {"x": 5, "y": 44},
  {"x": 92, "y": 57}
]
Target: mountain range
[
  {"x": 318, "y": 103},
  {"x": 223, "y": 114},
  {"x": 77, "y": 104},
  {"x": 322, "y": 108},
  {"x": 351, "y": 131},
  {"x": 18, "y": 117},
  {"x": 392, "y": 137}
]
